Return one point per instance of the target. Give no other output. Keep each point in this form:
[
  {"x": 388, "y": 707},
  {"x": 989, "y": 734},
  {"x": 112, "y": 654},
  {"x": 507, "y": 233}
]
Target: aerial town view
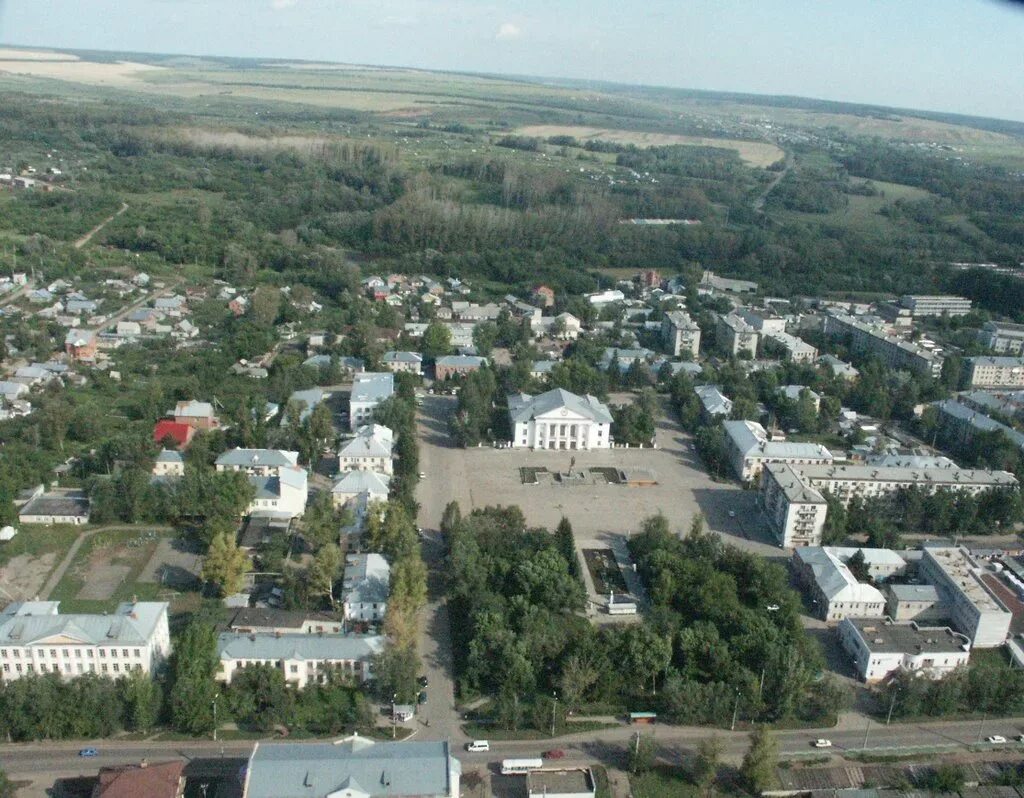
[{"x": 465, "y": 399}]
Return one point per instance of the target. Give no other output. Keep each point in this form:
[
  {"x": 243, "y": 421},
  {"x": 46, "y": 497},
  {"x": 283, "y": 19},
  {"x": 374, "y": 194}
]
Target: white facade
[
  {"x": 1003, "y": 337},
  {"x": 369, "y": 450},
  {"x": 680, "y": 333},
  {"x": 796, "y": 349},
  {"x": 169, "y": 463},
  {"x": 369, "y": 389},
  {"x": 995, "y": 372},
  {"x": 734, "y": 335},
  {"x": 795, "y": 512},
  {"x": 880, "y": 648},
  {"x": 750, "y": 449},
  {"x": 354, "y": 484},
  {"x": 303, "y": 659},
  {"x": 834, "y": 589},
  {"x": 558, "y": 419},
  {"x": 974, "y": 608},
  {"x": 36, "y": 638},
  {"x": 281, "y": 485},
  {"x": 367, "y": 585},
  {"x": 936, "y": 305}
]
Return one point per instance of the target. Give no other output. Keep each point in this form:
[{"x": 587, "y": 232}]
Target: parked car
[
  {"x": 822, "y": 743},
  {"x": 88, "y": 752},
  {"x": 423, "y": 474},
  {"x": 422, "y": 681},
  {"x": 996, "y": 739},
  {"x": 478, "y": 746},
  {"x": 422, "y": 697},
  {"x": 554, "y": 753}
]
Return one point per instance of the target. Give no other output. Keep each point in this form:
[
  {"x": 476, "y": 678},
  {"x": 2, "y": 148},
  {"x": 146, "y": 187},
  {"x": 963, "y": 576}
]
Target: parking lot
[{"x": 487, "y": 476}]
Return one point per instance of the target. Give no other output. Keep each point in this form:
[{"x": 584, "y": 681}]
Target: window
[
  {"x": 124, "y": 653},
  {"x": 103, "y": 653},
  {"x": 7, "y": 668},
  {"x": 138, "y": 652},
  {"x": 53, "y": 653},
  {"x": 294, "y": 668},
  {"x": 117, "y": 668},
  {"x": 104, "y": 667}
]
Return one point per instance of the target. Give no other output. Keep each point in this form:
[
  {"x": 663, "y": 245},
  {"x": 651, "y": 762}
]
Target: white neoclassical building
[{"x": 558, "y": 419}]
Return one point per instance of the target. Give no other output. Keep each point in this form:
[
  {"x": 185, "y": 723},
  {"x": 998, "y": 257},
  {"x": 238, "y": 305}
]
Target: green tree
[
  {"x": 641, "y": 754},
  {"x": 140, "y": 696},
  {"x": 265, "y": 305},
  {"x": 437, "y": 340},
  {"x": 6, "y": 786},
  {"x": 323, "y": 573},
  {"x": 706, "y": 762},
  {"x": 760, "y": 761},
  {"x": 225, "y": 564},
  {"x": 194, "y": 665},
  {"x": 260, "y": 698}
]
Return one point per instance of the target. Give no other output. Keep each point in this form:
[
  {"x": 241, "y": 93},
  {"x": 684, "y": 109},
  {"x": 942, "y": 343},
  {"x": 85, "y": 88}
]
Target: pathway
[{"x": 88, "y": 236}]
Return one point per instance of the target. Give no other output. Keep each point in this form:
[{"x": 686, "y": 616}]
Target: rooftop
[
  {"x": 792, "y": 486},
  {"x": 367, "y": 579},
  {"x": 262, "y": 458},
  {"x": 27, "y": 623},
  {"x": 317, "y": 647},
  {"x": 266, "y": 618},
  {"x": 752, "y": 440},
  {"x": 524, "y": 407},
  {"x": 834, "y": 578},
  {"x": 560, "y": 782},
  {"x": 883, "y": 636},
  {"x": 914, "y": 592},
  {"x": 924, "y": 476},
  {"x": 63, "y": 503},
  {"x": 373, "y": 386},
  {"x": 958, "y": 567},
  {"x": 362, "y": 482}
]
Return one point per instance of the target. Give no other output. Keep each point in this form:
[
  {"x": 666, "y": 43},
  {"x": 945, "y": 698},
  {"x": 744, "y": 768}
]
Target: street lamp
[
  {"x": 554, "y": 708},
  {"x": 394, "y": 698},
  {"x": 735, "y": 711},
  {"x": 892, "y": 704},
  {"x": 213, "y": 703}
]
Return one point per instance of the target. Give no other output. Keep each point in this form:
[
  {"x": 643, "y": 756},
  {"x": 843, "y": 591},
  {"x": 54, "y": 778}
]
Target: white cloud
[
  {"x": 508, "y": 30},
  {"x": 278, "y": 5}
]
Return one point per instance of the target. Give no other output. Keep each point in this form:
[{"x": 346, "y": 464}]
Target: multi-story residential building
[
  {"x": 880, "y": 648},
  {"x": 963, "y": 422},
  {"x": 794, "y": 349},
  {"x": 713, "y": 403},
  {"x": 371, "y": 486},
  {"x": 369, "y": 389},
  {"x": 750, "y": 449},
  {"x": 457, "y": 366},
  {"x": 896, "y": 352},
  {"x": 734, "y": 335},
  {"x": 303, "y": 659},
  {"x": 795, "y": 511},
  {"x": 369, "y": 450},
  {"x": 1002, "y": 337},
  {"x": 935, "y": 305},
  {"x": 869, "y": 481},
  {"x": 558, "y": 419},
  {"x": 995, "y": 372},
  {"x": 564, "y": 326},
  {"x": 356, "y": 767},
  {"x": 966, "y": 588},
  {"x": 367, "y": 585},
  {"x": 281, "y": 485},
  {"x": 834, "y": 590},
  {"x": 680, "y": 333},
  {"x": 36, "y": 638},
  {"x": 409, "y": 362}
]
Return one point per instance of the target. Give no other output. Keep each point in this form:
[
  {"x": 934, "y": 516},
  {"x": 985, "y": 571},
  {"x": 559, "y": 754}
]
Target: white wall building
[
  {"x": 734, "y": 335},
  {"x": 369, "y": 389},
  {"x": 282, "y": 486},
  {"x": 169, "y": 463},
  {"x": 1002, "y": 337},
  {"x": 936, "y": 305},
  {"x": 367, "y": 585},
  {"x": 833, "y": 588},
  {"x": 995, "y": 372},
  {"x": 795, "y": 350},
  {"x": 369, "y": 484},
  {"x": 750, "y": 449},
  {"x": 880, "y": 648},
  {"x": 680, "y": 333},
  {"x": 36, "y": 638},
  {"x": 796, "y": 512},
  {"x": 369, "y": 450},
  {"x": 558, "y": 419},
  {"x": 303, "y": 659}
]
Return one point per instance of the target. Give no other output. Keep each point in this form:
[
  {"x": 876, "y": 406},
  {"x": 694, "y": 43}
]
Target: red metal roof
[{"x": 180, "y": 433}]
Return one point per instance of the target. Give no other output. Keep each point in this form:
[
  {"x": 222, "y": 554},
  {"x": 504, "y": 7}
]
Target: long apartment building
[
  {"x": 36, "y": 638},
  {"x": 1002, "y": 337},
  {"x": 750, "y": 449},
  {"x": 680, "y": 333},
  {"x": 995, "y": 372},
  {"x": 795, "y": 350},
  {"x": 965, "y": 422},
  {"x": 974, "y": 607},
  {"x": 734, "y": 335},
  {"x": 936, "y": 305},
  {"x": 896, "y": 352}
]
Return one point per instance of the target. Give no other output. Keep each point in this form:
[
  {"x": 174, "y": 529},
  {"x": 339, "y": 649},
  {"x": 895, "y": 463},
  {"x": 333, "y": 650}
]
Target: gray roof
[
  {"x": 834, "y": 578},
  {"x": 914, "y": 592},
  {"x": 239, "y": 645},
  {"x": 714, "y": 401},
  {"x": 362, "y": 482},
  {"x": 543, "y": 366},
  {"x": 1005, "y": 362},
  {"x": 130, "y": 624},
  {"x": 884, "y": 636},
  {"x": 371, "y": 441},
  {"x": 263, "y": 458},
  {"x": 523, "y": 407},
  {"x": 750, "y": 438},
  {"x": 461, "y": 361},
  {"x": 316, "y": 770},
  {"x": 67, "y": 503},
  {"x": 169, "y": 456},
  {"x": 402, "y": 357},
  {"x": 266, "y": 617},
  {"x": 367, "y": 579},
  {"x": 979, "y": 421},
  {"x": 373, "y": 386},
  {"x": 926, "y": 476}
]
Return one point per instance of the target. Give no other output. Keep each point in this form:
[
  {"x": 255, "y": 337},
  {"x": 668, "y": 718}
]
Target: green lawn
[
  {"x": 663, "y": 782},
  {"x": 39, "y": 540},
  {"x": 862, "y": 213}
]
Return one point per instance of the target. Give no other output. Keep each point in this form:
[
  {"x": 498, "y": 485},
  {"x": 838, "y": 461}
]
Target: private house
[
  {"x": 367, "y": 585},
  {"x": 880, "y": 648},
  {"x": 165, "y": 431},
  {"x": 541, "y": 369},
  {"x": 457, "y": 366},
  {"x": 558, "y": 419},
  {"x": 543, "y": 296},
  {"x": 369, "y": 450},
  {"x": 356, "y": 484},
  {"x": 303, "y": 659},
  {"x": 355, "y": 767},
  {"x": 199, "y": 415},
  {"x": 409, "y": 362},
  {"x": 368, "y": 390},
  {"x": 36, "y": 638},
  {"x": 163, "y": 780},
  {"x": 58, "y": 506},
  {"x": 81, "y": 344},
  {"x": 169, "y": 463}
]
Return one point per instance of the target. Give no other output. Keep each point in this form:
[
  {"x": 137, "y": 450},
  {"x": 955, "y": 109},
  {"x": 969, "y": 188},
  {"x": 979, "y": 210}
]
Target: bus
[{"x": 509, "y": 766}]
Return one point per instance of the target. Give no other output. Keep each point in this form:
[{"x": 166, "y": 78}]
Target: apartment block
[
  {"x": 995, "y": 372},
  {"x": 896, "y": 352},
  {"x": 974, "y": 607},
  {"x": 795, "y": 511},
  {"x": 936, "y": 305},
  {"x": 1002, "y": 337},
  {"x": 680, "y": 333},
  {"x": 735, "y": 335}
]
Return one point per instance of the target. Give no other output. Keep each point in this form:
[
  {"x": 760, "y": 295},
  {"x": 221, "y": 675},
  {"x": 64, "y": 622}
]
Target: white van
[{"x": 478, "y": 746}]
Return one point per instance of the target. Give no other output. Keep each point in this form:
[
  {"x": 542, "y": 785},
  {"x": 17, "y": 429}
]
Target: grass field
[
  {"x": 754, "y": 153},
  {"x": 663, "y": 782},
  {"x": 862, "y": 213}
]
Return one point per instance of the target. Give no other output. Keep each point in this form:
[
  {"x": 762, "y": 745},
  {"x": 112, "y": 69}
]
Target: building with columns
[{"x": 558, "y": 419}]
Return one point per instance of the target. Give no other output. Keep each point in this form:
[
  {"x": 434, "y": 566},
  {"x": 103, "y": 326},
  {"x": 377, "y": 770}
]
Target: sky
[{"x": 962, "y": 56}]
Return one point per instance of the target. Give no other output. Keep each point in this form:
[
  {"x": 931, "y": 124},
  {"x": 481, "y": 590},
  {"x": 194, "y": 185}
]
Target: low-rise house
[
  {"x": 356, "y": 767},
  {"x": 541, "y": 369},
  {"x": 794, "y": 393},
  {"x": 793, "y": 349},
  {"x": 354, "y": 484},
  {"x": 543, "y": 296},
  {"x": 367, "y": 585},
  {"x": 303, "y": 659},
  {"x": 880, "y": 648},
  {"x": 410, "y": 362},
  {"x": 369, "y": 450},
  {"x": 257, "y": 620},
  {"x": 307, "y": 400},
  {"x": 171, "y": 305},
  {"x": 35, "y": 638},
  {"x": 457, "y": 366},
  {"x": 57, "y": 506},
  {"x": 563, "y": 327},
  {"x": 128, "y": 329},
  {"x": 605, "y": 297},
  {"x": 81, "y": 344},
  {"x": 196, "y": 414},
  {"x": 169, "y": 463},
  {"x": 11, "y": 390},
  {"x": 834, "y": 590},
  {"x": 623, "y": 359},
  {"x": 160, "y": 780},
  {"x": 914, "y": 603},
  {"x": 167, "y": 431},
  {"x": 839, "y": 368},
  {"x": 713, "y": 403},
  {"x": 368, "y": 390}
]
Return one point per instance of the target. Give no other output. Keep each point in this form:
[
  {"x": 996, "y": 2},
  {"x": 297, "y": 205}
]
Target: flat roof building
[
  {"x": 680, "y": 333},
  {"x": 1002, "y": 337},
  {"x": 896, "y": 352},
  {"x": 796, "y": 512},
  {"x": 880, "y": 648},
  {"x": 995, "y": 372},
  {"x": 561, "y": 783},
  {"x": 936, "y": 305}
]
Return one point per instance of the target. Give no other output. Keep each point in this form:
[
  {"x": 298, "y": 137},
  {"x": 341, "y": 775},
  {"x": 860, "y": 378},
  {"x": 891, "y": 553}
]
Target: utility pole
[
  {"x": 892, "y": 704},
  {"x": 394, "y": 698},
  {"x": 735, "y": 712},
  {"x": 981, "y": 727},
  {"x": 554, "y": 707},
  {"x": 214, "y": 703},
  {"x": 866, "y": 730},
  {"x": 760, "y": 688}
]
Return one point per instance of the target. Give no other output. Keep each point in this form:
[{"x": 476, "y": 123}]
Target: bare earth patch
[
  {"x": 753, "y": 153},
  {"x": 24, "y": 575},
  {"x": 15, "y": 54},
  {"x": 103, "y": 580},
  {"x": 122, "y": 73}
]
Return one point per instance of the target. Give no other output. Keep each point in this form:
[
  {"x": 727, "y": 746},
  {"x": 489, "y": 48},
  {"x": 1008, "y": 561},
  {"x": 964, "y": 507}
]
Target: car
[
  {"x": 996, "y": 739},
  {"x": 422, "y": 681},
  {"x": 732, "y": 513},
  {"x": 1020, "y": 738},
  {"x": 822, "y": 743},
  {"x": 478, "y": 746},
  {"x": 423, "y": 474},
  {"x": 422, "y": 697},
  {"x": 554, "y": 753},
  {"x": 88, "y": 752}
]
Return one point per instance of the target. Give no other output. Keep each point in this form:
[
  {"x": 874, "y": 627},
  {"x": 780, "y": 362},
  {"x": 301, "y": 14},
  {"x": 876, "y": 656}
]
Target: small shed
[
  {"x": 642, "y": 718},
  {"x": 8, "y": 533},
  {"x": 403, "y": 712}
]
